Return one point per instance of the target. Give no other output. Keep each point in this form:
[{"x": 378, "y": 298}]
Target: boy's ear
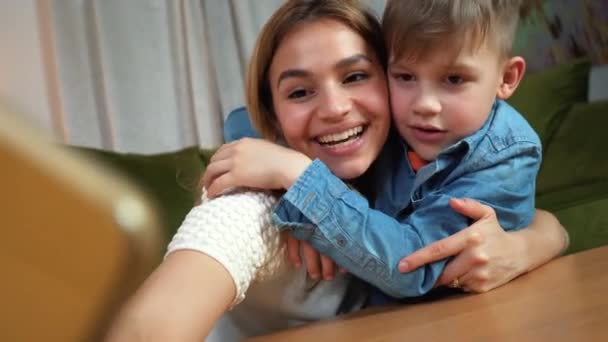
[{"x": 512, "y": 73}]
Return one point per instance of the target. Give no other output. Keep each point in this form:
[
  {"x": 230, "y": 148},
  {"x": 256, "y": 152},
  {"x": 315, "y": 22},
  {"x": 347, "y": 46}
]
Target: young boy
[{"x": 449, "y": 70}]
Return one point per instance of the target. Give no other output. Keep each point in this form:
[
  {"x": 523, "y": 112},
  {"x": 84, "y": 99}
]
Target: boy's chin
[{"x": 426, "y": 153}]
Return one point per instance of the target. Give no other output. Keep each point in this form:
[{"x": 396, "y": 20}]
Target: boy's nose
[
  {"x": 427, "y": 103},
  {"x": 335, "y": 104}
]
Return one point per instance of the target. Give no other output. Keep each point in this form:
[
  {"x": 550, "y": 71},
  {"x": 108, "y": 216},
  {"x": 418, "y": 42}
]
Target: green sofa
[{"x": 572, "y": 183}]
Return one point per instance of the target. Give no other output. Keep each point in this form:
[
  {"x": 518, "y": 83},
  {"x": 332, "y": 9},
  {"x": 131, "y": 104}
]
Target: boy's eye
[
  {"x": 454, "y": 79},
  {"x": 298, "y": 94},
  {"x": 356, "y": 77},
  {"x": 405, "y": 77}
]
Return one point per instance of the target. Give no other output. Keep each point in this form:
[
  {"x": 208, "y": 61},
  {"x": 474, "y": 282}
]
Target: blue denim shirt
[
  {"x": 237, "y": 125},
  {"x": 497, "y": 165}
]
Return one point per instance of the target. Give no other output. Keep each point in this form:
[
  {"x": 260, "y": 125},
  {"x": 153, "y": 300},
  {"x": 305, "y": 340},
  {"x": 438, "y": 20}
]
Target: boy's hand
[
  {"x": 317, "y": 264},
  {"x": 253, "y": 163}
]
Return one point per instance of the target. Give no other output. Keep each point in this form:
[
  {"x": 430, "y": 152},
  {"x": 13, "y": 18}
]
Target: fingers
[
  {"x": 221, "y": 152},
  {"x": 316, "y": 264},
  {"x": 220, "y": 185},
  {"x": 293, "y": 250},
  {"x": 435, "y": 251},
  {"x": 471, "y": 208},
  {"x": 463, "y": 283},
  {"x": 455, "y": 269},
  {"x": 230, "y": 148},
  {"x": 463, "y": 264},
  {"x": 328, "y": 267},
  {"x": 218, "y": 163},
  {"x": 311, "y": 257},
  {"x": 480, "y": 280},
  {"x": 214, "y": 170}
]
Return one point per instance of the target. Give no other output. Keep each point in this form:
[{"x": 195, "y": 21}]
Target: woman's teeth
[{"x": 338, "y": 139}]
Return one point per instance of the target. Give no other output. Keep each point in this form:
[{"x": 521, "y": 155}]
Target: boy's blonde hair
[
  {"x": 413, "y": 28},
  {"x": 352, "y": 13}
]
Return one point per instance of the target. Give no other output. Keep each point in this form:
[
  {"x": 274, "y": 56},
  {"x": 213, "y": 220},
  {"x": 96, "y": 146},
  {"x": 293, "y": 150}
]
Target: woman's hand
[
  {"x": 253, "y": 163},
  {"x": 317, "y": 264},
  {"x": 486, "y": 256}
]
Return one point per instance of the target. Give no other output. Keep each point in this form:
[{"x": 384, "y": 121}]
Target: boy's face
[{"x": 444, "y": 96}]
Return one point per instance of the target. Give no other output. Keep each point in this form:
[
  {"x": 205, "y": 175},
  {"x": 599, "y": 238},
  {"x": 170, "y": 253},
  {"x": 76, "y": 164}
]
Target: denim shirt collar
[
  {"x": 398, "y": 179},
  {"x": 461, "y": 148},
  {"x": 474, "y": 139}
]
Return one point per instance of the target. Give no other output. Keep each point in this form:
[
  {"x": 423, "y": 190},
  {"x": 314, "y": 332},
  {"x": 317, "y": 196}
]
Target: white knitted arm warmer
[{"x": 235, "y": 230}]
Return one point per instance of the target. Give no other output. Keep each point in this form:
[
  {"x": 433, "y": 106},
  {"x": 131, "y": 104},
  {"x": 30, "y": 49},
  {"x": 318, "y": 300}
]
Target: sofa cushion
[
  {"x": 170, "y": 179},
  {"x": 573, "y": 180},
  {"x": 545, "y": 97},
  {"x": 586, "y": 223},
  {"x": 576, "y": 157}
]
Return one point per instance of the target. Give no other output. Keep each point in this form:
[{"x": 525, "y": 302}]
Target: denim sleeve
[
  {"x": 238, "y": 125},
  {"x": 339, "y": 222}
]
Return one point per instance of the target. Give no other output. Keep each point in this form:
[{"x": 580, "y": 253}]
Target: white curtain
[{"x": 142, "y": 76}]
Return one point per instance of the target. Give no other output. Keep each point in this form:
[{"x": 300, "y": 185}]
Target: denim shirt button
[{"x": 341, "y": 240}]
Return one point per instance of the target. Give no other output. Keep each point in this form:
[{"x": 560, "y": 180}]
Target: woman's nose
[{"x": 336, "y": 103}]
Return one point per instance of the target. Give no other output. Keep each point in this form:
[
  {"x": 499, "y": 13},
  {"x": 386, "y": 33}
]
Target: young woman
[{"x": 228, "y": 242}]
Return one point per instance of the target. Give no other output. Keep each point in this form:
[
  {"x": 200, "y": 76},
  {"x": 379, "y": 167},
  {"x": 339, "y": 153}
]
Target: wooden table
[{"x": 565, "y": 300}]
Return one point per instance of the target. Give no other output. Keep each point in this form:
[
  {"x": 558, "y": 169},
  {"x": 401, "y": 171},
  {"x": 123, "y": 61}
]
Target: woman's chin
[{"x": 348, "y": 170}]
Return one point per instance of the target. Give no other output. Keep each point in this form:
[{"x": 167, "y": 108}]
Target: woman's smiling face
[{"x": 330, "y": 96}]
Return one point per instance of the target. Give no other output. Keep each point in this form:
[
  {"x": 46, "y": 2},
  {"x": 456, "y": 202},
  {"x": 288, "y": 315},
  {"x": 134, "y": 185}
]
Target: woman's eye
[
  {"x": 356, "y": 77},
  {"x": 297, "y": 94},
  {"x": 454, "y": 79}
]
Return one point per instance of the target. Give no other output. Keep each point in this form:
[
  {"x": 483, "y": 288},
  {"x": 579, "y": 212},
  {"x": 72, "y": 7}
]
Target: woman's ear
[{"x": 512, "y": 73}]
